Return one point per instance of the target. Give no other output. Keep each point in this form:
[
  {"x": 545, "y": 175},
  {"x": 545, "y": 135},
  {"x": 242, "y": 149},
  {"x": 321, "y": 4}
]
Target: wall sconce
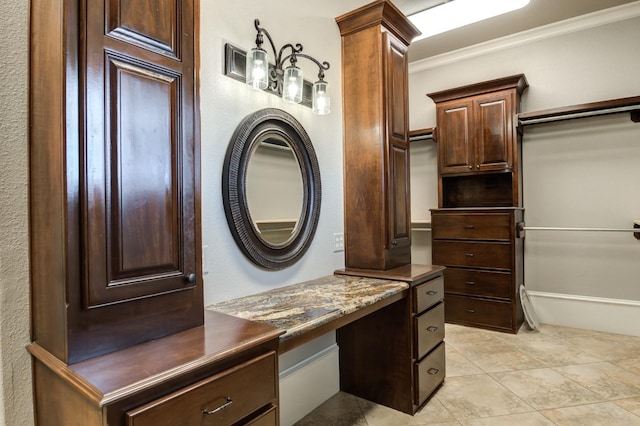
[{"x": 289, "y": 81}]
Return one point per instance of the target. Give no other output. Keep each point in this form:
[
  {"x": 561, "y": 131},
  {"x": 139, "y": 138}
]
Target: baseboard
[
  {"x": 591, "y": 313},
  {"x": 309, "y": 383}
]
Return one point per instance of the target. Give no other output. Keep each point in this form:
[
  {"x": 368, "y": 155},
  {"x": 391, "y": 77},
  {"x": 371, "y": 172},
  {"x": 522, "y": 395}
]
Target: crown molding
[{"x": 590, "y": 20}]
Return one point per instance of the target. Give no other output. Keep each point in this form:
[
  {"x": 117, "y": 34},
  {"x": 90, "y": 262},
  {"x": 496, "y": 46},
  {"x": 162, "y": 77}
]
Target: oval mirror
[{"x": 271, "y": 188}]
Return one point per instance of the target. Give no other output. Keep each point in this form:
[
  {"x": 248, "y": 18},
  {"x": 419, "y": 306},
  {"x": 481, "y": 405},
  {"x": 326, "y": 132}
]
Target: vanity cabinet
[
  {"x": 375, "y": 38},
  {"x": 222, "y": 373},
  {"x": 396, "y": 355},
  {"x": 484, "y": 260}
]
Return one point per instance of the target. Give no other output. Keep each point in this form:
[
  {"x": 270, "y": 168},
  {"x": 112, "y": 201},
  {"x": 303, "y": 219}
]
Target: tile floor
[{"x": 551, "y": 376}]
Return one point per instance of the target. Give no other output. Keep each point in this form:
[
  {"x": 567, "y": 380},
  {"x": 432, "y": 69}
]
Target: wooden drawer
[
  {"x": 240, "y": 390},
  {"x": 480, "y": 312},
  {"x": 430, "y": 373},
  {"x": 428, "y": 294},
  {"x": 479, "y": 283},
  {"x": 472, "y": 226},
  {"x": 472, "y": 254},
  {"x": 429, "y": 330},
  {"x": 270, "y": 418}
]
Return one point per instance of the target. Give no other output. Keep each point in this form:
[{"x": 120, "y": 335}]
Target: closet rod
[{"x": 549, "y": 228}]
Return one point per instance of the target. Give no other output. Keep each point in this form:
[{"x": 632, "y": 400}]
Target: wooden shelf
[
  {"x": 428, "y": 133},
  {"x": 613, "y": 106}
]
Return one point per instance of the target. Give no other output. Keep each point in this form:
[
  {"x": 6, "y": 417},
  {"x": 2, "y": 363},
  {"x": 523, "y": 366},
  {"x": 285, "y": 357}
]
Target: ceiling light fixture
[
  {"x": 287, "y": 81},
  {"x": 458, "y": 13}
]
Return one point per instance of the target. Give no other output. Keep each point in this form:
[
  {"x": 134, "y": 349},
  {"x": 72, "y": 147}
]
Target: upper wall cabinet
[
  {"x": 477, "y": 135},
  {"x": 115, "y": 239},
  {"x": 375, "y": 38}
]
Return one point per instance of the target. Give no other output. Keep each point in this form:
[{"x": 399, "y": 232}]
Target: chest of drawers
[{"x": 484, "y": 260}]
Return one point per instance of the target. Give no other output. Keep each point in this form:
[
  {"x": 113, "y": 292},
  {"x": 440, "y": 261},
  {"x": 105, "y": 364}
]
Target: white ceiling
[{"x": 536, "y": 14}]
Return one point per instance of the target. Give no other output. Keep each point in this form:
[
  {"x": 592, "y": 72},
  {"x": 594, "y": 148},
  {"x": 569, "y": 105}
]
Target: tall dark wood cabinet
[
  {"x": 402, "y": 363},
  {"x": 116, "y": 282},
  {"x": 115, "y": 232},
  {"x": 480, "y": 202},
  {"x": 376, "y": 145}
]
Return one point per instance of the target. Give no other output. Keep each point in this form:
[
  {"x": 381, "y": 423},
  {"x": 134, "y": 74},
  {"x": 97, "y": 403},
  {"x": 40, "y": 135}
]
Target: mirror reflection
[{"x": 274, "y": 190}]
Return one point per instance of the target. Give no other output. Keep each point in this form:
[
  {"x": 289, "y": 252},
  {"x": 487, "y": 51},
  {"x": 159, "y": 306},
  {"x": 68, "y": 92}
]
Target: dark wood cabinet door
[
  {"x": 455, "y": 136},
  {"x": 138, "y": 186},
  {"x": 494, "y": 131},
  {"x": 399, "y": 213}
]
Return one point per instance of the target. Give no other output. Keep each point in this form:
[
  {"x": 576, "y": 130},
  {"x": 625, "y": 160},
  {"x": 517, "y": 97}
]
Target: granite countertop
[{"x": 303, "y": 307}]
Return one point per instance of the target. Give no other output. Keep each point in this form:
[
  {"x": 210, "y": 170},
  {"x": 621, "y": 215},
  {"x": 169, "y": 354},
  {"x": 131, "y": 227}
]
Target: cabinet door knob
[
  {"x": 433, "y": 371},
  {"x": 191, "y": 278},
  {"x": 471, "y": 311},
  {"x": 432, "y": 329},
  {"x": 470, "y": 282},
  {"x": 469, "y": 227},
  {"x": 469, "y": 254},
  {"x": 394, "y": 243},
  {"x": 432, "y": 293},
  {"x": 222, "y": 407}
]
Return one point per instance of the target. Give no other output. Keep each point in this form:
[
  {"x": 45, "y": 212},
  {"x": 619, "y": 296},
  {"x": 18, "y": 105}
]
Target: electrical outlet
[{"x": 338, "y": 242}]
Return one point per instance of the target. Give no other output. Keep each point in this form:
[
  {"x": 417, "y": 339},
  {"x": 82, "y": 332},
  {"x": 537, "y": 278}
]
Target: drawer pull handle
[
  {"x": 470, "y": 282},
  {"x": 432, "y": 328},
  {"x": 432, "y": 293},
  {"x": 433, "y": 371},
  {"x": 471, "y": 311},
  {"x": 469, "y": 254},
  {"x": 469, "y": 227},
  {"x": 220, "y": 408}
]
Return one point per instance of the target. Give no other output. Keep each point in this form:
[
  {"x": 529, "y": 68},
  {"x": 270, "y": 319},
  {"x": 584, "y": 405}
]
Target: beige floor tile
[
  {"x": 605, "y": 413},
  {"x": 342, "y": 409},
  {"x": 606, "y": 347},
  {"x": 497, "y": 357},
  {"x": 604, "y": 379},
  {"x": 525, "y": 419},
  {"x": 432, "y": 413},
  {"x": 456, "y": 335},
  {"x": 630, "y": 404},
  {"x": 631, "y": 364},
  {"x": 468, "y": 397},
  {"x": 545, "y": 388},
  {"x": 552, "y": 352},
  {"x": 561, "y": 332},
  {"x": 458, "y": 365}
]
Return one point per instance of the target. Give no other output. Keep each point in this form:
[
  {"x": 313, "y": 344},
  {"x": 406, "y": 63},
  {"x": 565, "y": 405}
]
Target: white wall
[
  {"x": 225, "y": 102},
  {"x": 578, "y": 173},
  {"x": 15, "y": 373}
]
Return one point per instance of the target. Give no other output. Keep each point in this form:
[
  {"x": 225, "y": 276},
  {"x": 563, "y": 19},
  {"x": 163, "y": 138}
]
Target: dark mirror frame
[{"x": 253, "y": 129}]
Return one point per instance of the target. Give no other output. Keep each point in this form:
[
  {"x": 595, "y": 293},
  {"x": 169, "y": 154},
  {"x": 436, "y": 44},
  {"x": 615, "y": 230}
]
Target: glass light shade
[
  {"x": 292, "y": 85},
  {"x": 257, "y": 68},
  {"x": 321, "y": 98}
]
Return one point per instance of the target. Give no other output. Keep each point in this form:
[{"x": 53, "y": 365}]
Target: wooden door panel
[
  {"x": 399, "y": 197},
  {"x": 455, "y": 137},
  {"x": 151, "y": 24},
  {"x": 139, "y": 204},
  {"x": 493, "y": 148},
  {"x": 397, "y": 90}
]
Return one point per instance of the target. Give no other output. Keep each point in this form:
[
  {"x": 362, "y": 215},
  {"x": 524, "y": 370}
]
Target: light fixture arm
[{"x": 295, "y": 52}]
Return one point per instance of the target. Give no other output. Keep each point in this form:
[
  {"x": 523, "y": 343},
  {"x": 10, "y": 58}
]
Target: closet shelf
[
  {"x": 612, "y": 106},
  {"x": 428, "y": 133}
]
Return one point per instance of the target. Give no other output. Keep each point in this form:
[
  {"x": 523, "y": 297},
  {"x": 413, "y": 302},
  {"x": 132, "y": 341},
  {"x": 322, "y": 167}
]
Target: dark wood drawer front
[
  {"x": 267, "y": 419},
  {"x": 428, "y": 294},
  {"x": 479, "y": 283},
  {"x": 429, "y": 329},
  {"x": 478, "y": 255},
  {"x": 469, "y": 226},
  {"x": 470, "y": 310},
  {"x": 430, "y": 373},
  {"x": 228, "y": 396}
]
